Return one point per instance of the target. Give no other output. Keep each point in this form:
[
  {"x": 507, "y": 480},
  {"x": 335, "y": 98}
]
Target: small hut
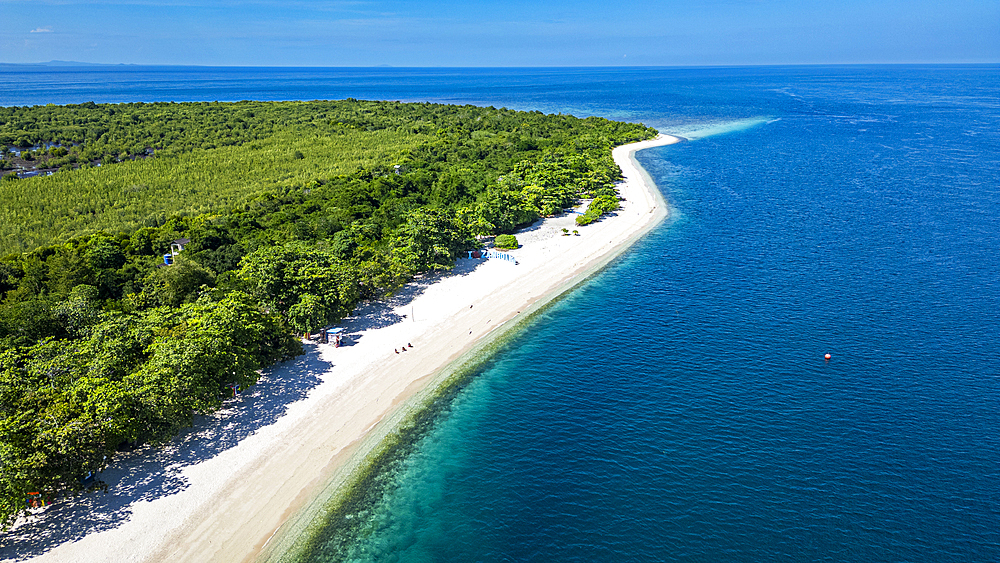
[
  {"x": 175, "y": 248},
  {"x": 178, "y": 245},
  {"x": 334, "y": 336}
]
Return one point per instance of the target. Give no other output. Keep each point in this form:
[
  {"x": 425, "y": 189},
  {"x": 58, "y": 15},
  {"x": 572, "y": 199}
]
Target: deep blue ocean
[{"x": 678, "y": 406}]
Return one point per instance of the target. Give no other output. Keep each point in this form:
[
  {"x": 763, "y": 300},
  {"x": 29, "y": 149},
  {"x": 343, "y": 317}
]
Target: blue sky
[{"x": 500, "y": 33}]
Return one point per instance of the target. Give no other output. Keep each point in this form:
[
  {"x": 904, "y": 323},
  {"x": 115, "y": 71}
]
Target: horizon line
[{"x": 65, "y": 64}]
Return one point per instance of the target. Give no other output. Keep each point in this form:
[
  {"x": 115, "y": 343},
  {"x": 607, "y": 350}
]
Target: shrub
[
  {"x": 506, "y": 241},
  {"x": 598, "y": 208}
]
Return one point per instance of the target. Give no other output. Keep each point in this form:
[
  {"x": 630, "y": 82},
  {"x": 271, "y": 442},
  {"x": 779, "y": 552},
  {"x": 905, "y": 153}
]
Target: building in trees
[{"x": 175, "y": 248}]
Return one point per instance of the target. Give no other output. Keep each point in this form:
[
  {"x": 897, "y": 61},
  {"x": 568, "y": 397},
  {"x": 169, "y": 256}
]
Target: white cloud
[{"x": 42, "y": 30}]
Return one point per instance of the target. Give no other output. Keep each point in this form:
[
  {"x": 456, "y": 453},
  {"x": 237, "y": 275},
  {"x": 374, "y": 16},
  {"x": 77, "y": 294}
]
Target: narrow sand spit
[{"x": 221, "y": 491}]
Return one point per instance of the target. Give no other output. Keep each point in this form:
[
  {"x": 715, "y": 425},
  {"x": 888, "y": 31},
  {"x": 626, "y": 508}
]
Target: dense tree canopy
[{"x": 294, "y": 213}]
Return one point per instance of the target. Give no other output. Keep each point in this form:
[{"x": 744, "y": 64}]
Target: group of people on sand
[{"x": 408, "y": 345}]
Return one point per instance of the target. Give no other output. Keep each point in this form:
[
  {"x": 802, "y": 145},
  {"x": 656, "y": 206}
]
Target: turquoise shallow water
[{"x": 677, "y": 406}]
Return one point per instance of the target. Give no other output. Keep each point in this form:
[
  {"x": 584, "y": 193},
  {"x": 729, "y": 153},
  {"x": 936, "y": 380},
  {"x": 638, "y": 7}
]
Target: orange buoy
[{"x": 827, "y": 356}]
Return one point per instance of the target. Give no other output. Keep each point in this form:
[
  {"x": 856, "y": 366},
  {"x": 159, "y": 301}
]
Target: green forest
[{"x": 291, "y": 212}]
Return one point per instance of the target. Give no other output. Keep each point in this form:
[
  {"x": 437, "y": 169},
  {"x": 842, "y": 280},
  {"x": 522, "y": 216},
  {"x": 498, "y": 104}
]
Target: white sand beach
[{"x": 222, "y": 490}]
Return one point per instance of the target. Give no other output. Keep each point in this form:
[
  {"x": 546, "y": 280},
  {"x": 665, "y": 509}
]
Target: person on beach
[{"x": 395, "y": 350}]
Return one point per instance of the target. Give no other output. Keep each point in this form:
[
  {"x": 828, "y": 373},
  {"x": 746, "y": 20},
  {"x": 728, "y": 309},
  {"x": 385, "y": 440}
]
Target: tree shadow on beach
[
  {"x": 389, "y": 311},
  {"x": 153, "y": 472}
]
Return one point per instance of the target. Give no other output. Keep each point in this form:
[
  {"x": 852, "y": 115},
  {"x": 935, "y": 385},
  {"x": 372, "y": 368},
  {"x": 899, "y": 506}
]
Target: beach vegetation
[
  {"x": 506, "y": 242},
  {"x": 431, "y": 239},
  {"x": 295, "y": 213},
  {"x": 600, "y": 206}
]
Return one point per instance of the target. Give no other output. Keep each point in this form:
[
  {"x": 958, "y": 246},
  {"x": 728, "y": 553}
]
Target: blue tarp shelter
[{"x": 333, "y": 335}]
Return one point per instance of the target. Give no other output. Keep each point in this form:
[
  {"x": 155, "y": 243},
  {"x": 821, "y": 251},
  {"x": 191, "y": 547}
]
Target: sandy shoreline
[{"x": 225, "y": 488}]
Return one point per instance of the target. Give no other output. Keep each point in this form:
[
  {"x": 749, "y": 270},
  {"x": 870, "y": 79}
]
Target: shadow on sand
[
  {"x": 153, "y": 472},
  {"x": 380, "y": 314}
]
